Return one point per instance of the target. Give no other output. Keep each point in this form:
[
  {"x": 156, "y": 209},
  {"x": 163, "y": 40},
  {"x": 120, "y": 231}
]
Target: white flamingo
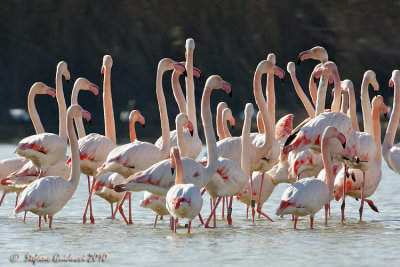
[
  {"x": 182, "y": 200},
  {"x": 48, "y": 195},
  {"x": 309, "y": 195}
]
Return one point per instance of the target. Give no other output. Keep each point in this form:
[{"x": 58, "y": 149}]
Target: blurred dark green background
[{"x": 231, "y": 38}]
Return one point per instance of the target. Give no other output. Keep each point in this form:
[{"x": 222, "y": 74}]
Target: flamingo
[
  {"x": 309, "y": 195},
  {"x": 48, "y": 195},
  {"x": 128, "y": 159},
  {"x": 390, "y": 152},
  {"x": 365, "y": 181},
  {"x": 46, "y": 149},
  {"x": 227, "y": 116},
  {"x": 158, "y": 179},
  {"x": 8, "y": 166},
  {"x": 156, "y": 203},
  {"x": 182, "y": 200}
]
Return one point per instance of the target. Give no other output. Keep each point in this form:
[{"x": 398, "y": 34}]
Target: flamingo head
[
  {"x": 77, "y": 111},
  {"x": 107, "y": 63},
  {"x": 291, "y": 68},
  {"x": 266, "y": 66},
  {"x": 62, "y": 67},
  {"x": 377, "y": 103},
  {"x": 317, "y": 53},
  {"x": 135, "y": 116},
  {"x": 395, "y": 77},
  {"x": 370, "y": 77}
]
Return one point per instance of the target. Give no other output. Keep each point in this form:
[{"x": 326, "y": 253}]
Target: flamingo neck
[
  {"x": 219, "y": 123},
  {"x": 327, "y": 161},
  {"x": 312, "y": 88},
  {"x": 270, "y": 94},
  {"x": 75, "y": 164},
  {"x": 37, "y": 124},
  {"x": 181, "y": 139},
  {"x": 366, "y": 108},
  {"x": 78, "y": 121},
  {"x": 345, "y": 103},
  {"x": 304, "y": 99},
  {"x": 179, "y": 169},
  {"x": 336, "y": 93},
  {"x": 377, "y": 133},
  {"x": 132, "y": 131},
  {"x": 62, "y": 107},
  {"x": 268, "y": 127},
  {"x": 260, "y": 123},
  {"x": 109, "y": 123},
  {"x": 394, "y": 120},
  {"x": 211, "y": 142},
  {"x": 177, "y": 90},
  {"x": 321, "y": 94},
  {"x": 163, "y": 114},
  {"x": 225, "y": 114},
  {"x": 352, "y": 109},
  {"x": 191, "y": 104},
  {"x": 245, "y": 157}
]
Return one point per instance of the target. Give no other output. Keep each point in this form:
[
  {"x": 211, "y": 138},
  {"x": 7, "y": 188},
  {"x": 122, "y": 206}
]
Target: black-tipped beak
[
  {"x": 185, "y": 73},
  {"x": 200, "y": 79},
  {"x": 172, "y": 171},
  {"x": 283, "y": 81},
  {"x": 191, "y": 133},
  {"x": 385, "y": 115},
  {"x": 344, "y": 145},
  {"x": 67, "y": 81},
  {"x": 98, "y": 97},
  {"x": 345, "y": 158},
  {"x": 233, "y": 127},
  {"x": 315, "y": 80},
  {"x": 230, "y": 94},
  {"x": 357, "y": 159},
  {"x": 376, "y": 93},
  {"x": 144, "y": 125},
  {"x": 90, "y": 122},
  {"x": 298, "y": 61}
]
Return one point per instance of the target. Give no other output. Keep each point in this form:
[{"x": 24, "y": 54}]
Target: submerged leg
[
  {"x": 362, "y": 197},
  {"x": 212, "y": 213}
]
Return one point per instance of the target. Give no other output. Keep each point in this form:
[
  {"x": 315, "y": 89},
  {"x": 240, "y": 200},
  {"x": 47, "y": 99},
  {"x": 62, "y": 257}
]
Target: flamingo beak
[
  {"x": 233, "y": 127},
  {"x": 67, "y": 81},
  {"x": 230, "y": 94},
  {"x": 90, "y": 122},
  {"x": 315, "y": 80},
  {"x": 376, "y": 93},
  {"x": 172, "y": 171},
  {"x": 191, "y": 133},
  {"x": 283, "y": 81}
]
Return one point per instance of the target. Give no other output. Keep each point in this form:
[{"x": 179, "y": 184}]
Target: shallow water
[{"x": 375, "y": 241}]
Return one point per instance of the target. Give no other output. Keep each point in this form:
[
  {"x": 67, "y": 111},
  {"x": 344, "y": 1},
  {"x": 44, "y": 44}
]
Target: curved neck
[
  {"x": 394, "y": 119},
  {"x": 304, "y": 99},
  {"x": 366, "y": 108},
  {"x": 179, "y": 169},
  {"x": 260, "y": 123},
  {"x": 109, "y": 123},
  {"x": 321, "y": 95},
  {"x": 345, "y": 103},
  {"x": 75, "y": 164},
  {"x": 312, "y": 88},
  {"x": 225, "y": 114},
  {"x": 181, "y": 139},
  {"x": 336, "y": 98},
  {"x": 211, "y": 142},
  {"x": 219, "y": 123},
  {"x": 352, "y": 110},
  {"x": 78, "y": 121},
  {"x": 132, "y": 131},
  {"x": 270, "y": 93},
  {"x": 245, "y": 157},
  {"x": 164, "y": 149},
  {"x": 191, "y": 104},
  {"x": 62, "y": 107},
  {"x": 268, "y": 127},
  {"x": 177, "y": 90},
  {"x": 377, "y": 134},
  {"x": 327, "y": 160},
  {"x": 37, "y": 124}
]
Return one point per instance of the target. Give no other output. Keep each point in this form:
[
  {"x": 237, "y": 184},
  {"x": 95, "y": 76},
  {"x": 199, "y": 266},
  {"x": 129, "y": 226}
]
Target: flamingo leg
[
  {"x": 45, "y": 218},
  {"x": 171, "y": 223},
  {"x": 112, "y": 209},
  {"x": 311, "y": 222},
  {"x": 247, "y": 212},
  {"x": 161, "y": 218},
  {"x": 130, "y": 208},
  {"x": 50, "y": 221},
  {"x": 223, "y": 207},
  {"x": 175, "y": 223},
  {"x": 212, "y": 213},
  {"x": 120, "y": 204},
  {"x": 1, "y": 201},
  {"x": 90, "y": 199},
  {"x": 202, "y": 192},
  {"x": 16, "y": 200},
  {"x": 89, "y": 202},
  {"x": 121, "y": 210},
  {"x": 326, "y": 213},
  {"x": 40, "y": 221},
  {"x": 229, "y": 215},
  {"x": 25, "y": 216},
  {"x": 295, "y": 222},
  {"x": 362, "y": 197},
  {"x": 155, "y": 222},
  {"x": 265, "y": 215},
  {"x": 344, "y": 192},
  {"x": 259, "y": 195},
  {"x": 253, "y": 202},
  {"x": 201, "y": 219},
  {"x": 190, "y": 224}
]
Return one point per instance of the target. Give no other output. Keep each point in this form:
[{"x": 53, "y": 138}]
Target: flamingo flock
[{"x": 324, "y": 158}]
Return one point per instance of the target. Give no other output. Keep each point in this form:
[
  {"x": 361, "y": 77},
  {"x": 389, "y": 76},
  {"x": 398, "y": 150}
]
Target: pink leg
[
  {"x": 112, "y": 209},
  {"x": 344, "y": 192},
  {"x": 175, "y": 223},
  {"x": 371, "y": 205},
  {"x": 25, "y": 216},
  {"x": 130, "y": 208},
  {"x": 326, "y": 213},
  {"x": 16, "y": 200},
  {"x": 155, "y": 222},
  {"x": 121, "y": 211},
  {"x": 120, "y": 204},
  {"x": 87, "y": 203},
  {"x": 45, "y": 218},
  {"x": 171, "y": 223},
  {"x": 311, "y": 222},
  {"x": 223, "y": 207},
  {"x": 1, "y": 201},
  {"x": 201, "y": 219},
  {"x": 40, "y": 221},
  {"x": 190, "y": 224},
  {"x": 90, "y": 204},
  {"x": 247, "y": 212},
  {"x": 295, "y": 222},
  {"x": 362, "y": 197},
  {"x": 161, "y": 218},
  {"x": 259, "y": 194},
  {"x": 292, "y": 217},
  {"x": 229, "y": 216},
  {"x": 212, "y": 213},
  {"x": 202, "y": 192},
  {"x": 253, "y": 202},
  {"x": 50, "y": 221}
]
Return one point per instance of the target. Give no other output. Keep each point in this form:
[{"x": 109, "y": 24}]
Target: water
[{"x": 375, "y": 241}]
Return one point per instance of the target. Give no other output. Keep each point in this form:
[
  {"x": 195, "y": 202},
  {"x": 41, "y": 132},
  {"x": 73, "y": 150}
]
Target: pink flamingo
[
  {"x": 48, "y": 195},
  {"x": 309, "y": 195},
  {"x": 390, "y": 152},
  {"x": 156, "y": 203},
  {"x": 182, "y": 200}
]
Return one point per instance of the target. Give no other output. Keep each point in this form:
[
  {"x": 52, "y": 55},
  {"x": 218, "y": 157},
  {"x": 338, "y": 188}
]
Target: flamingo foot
[
  {"x": 372, "y": 205},
  {"x": 342, "y": 208},
  {"x": 260, "y": 212}
]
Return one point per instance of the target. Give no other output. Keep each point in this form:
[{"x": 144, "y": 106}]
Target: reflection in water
[{"x": 368, "y": 243}]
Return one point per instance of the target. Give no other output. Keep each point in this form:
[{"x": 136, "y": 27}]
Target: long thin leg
[
  {"x": 161, "y": 218},
  {"x": 155, "y": 222},
  {"x": 190, "y": 224},
  {"x": 25, "y": 216},
  {"x": 120, "y": 204},
  {"x": 130, "y": 209},
  {"x": 16, "y": 200},
  {"x": 247, "y": 212},
  {"x": 362, "y": 197},
  {"x": 40, "y": 221},
  {"x": 212, "y": 213},
  {"x": 175, "y": 223},
  {"x": 229, "y": 216},
  {"x": 326, "y": 213},
  {"x": 90, "y": 199},
  {"x": 259, "y": 195},
  {"x": 89, "y": 202},
  {"x": 311, "y": 222},
  {"x": 253, "y": 202},
  {"x": 1, "y": 201},
  {"x": 201, "y": 219},
  {"x": 344, "y": 192},
  {"x": 223, "y": 207},
  {"x": 295, "y": 222},
  {"x": 112, "y": 208},
  {"x": 45, "y": 218},
  {"x": 50, "y": 221},
  {"x": 121, "y": 210}
]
